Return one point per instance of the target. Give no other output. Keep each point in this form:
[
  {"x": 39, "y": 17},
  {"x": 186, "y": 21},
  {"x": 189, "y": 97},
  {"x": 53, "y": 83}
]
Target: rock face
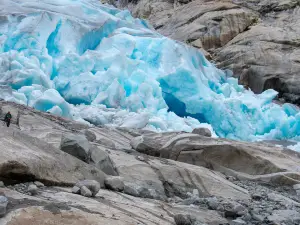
[
  {"x": 258, "y": 40},
  {"x": 165, "y": 178},
  {"x": 264, "y": 163}
]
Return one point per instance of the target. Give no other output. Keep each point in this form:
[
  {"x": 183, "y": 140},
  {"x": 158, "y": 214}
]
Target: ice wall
[{"x": 92, "y": 62}]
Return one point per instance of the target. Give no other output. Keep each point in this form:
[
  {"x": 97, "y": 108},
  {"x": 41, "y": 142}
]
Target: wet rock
[
  {"x": 84, "y": 191},
  {"x": 3, "y": 205},
  {"x": 2, "y": 184},
  {"x": 114, "y": 183},
  {"x": 202, "y": 131},
  {"x": 32, "y": 189},
  {"x": 92, "y": 185}
]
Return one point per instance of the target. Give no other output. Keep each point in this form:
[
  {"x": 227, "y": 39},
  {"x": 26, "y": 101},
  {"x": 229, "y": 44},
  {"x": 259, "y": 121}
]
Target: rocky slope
[
  {"x": 145, "y": 178},
  {"x": 257, "y": 39}
]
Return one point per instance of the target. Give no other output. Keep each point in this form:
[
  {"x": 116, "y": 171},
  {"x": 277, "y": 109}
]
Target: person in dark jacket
[{"x": 7, "y": 119}]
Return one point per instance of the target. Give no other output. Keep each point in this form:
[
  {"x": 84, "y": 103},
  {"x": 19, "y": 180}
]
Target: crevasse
[{"x": 91, "y": 62}]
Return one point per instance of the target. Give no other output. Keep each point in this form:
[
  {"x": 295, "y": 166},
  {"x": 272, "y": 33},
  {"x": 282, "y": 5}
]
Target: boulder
[
  {"x": 92, "y": 185},
  {"x": 32, "y": 189},
  {"x": 75, "y": 190},
  {"x": 181, "y": 219},
  {"x": 114, "y": 183},
  {"x": 39, "y": 184},
  {"x": 3, "y": 205},
  {"x": 77, "y": 146},
  {"x": 2, "y": 184},
  {"x": 102, "y": 161},
  {"x": 233, "y": 209},
  {"x": 84, "y": 191},
  {"x": 212, "y": 203},
  {"x": 90, "y": 136},
  {"x": 202, "y": 131}
]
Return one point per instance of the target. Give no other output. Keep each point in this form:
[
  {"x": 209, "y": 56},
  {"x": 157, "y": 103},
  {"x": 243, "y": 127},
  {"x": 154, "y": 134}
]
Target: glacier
[{"x": 97, "y": 64}]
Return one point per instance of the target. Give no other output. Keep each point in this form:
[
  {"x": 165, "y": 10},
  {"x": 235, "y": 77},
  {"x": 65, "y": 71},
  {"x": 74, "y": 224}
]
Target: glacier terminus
[{"x": 94, "y": 63}]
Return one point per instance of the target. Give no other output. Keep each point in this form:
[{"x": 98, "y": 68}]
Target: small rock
[
  {"x": 84, "y": 191},
  {"x": 114, "y": 183},
  {"x": 141, "y": 158},
  {"x": 247, "y": 217},
  {"x": 196, "y": 192},
  {"x": 258, "y": 217},
  {"x": 296, "y": 186},
  {"x": 202, "y": 131},
  {"x": 231, "y": 178},
  {"x": 75, "y": 190},
  {"x": 92, "y": 185},
  {"x": 193, "y": 201},
  {"x": 2, "y": 184},
  {"x": 181, "y": 219},
  {"x": 233, "y": 209},
  {"x": 238, "y": 222},
  {"x": 32, "y": 189},
  {"x": 212, "y": 203},
  {"x": 3, "y": 205},
  {"x": 39, "y": 184},
  {"x": 257, "y": 196}
]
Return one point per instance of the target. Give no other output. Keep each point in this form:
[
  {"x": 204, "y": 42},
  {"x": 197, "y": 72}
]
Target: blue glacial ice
[{"x": 92, "y": 62}]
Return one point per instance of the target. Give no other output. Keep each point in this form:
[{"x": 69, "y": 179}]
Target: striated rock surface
[{"x": 167, "y": 178}]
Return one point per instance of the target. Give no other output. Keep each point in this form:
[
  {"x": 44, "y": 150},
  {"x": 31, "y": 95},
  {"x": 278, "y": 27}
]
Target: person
[{"x": 7, "y": 119}]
